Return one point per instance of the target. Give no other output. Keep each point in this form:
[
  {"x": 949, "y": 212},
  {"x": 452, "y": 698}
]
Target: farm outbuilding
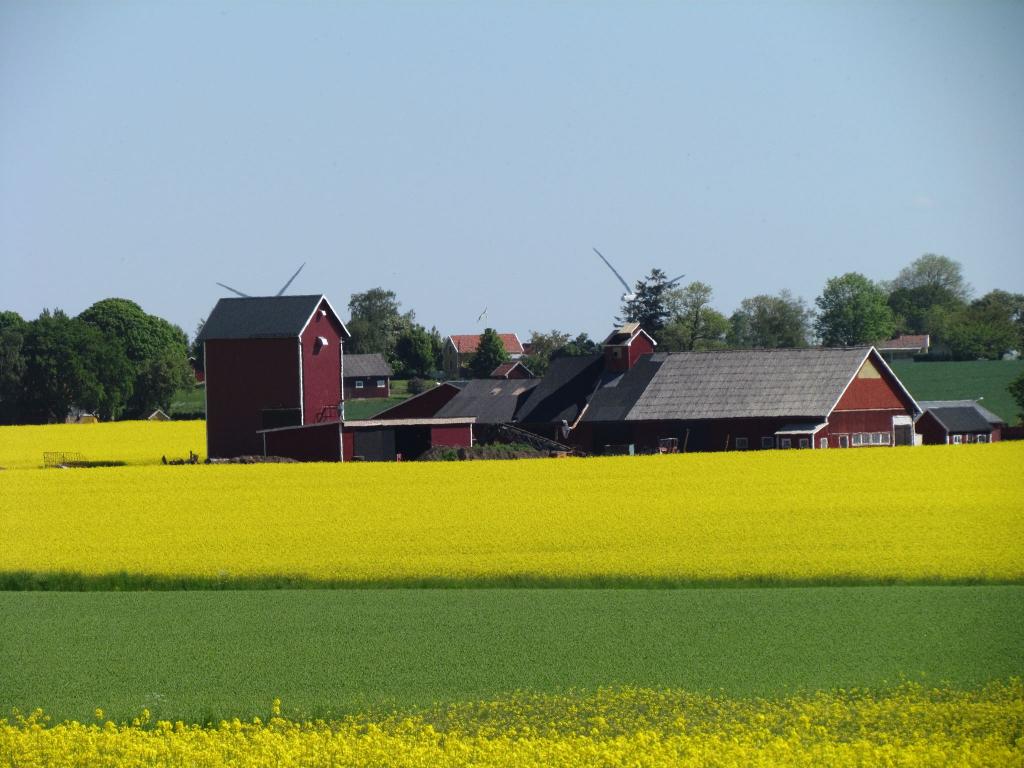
[
  {"x": 270, "y": 362},
  {"x": 425, "y": 404},
  {"x": 366, "y": 376},
  {"x": 459, "y": 350},
  {"x": 955, "y": 422}
]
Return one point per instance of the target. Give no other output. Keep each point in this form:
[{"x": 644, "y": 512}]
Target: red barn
[
  {"x": 955, "y": 422},
  {"x": 270, "y": 362},
  {"x": 729, "y": 400}
]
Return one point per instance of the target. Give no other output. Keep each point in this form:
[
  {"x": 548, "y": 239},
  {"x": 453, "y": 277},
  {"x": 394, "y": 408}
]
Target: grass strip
[{"x": 204, "y": 656}]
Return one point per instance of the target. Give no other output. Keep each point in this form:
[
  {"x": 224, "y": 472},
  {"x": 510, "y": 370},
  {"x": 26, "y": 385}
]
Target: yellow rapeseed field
[
  {"x": 133, "y": 442},
  {"x": 942, "y": 513},
  {"x": 910, "y": 726}
]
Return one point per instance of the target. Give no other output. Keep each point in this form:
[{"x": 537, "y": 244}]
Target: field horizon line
[{"x": 69, "y": 581}]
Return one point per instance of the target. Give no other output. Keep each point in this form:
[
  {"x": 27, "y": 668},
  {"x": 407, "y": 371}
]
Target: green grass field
[
  {"x": 964, "y": 381},
  {"x": 190, "y": 400},
  {"x": 199, "y": 655}
]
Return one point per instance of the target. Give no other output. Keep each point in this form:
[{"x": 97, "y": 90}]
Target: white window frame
[
  {"x": 381, "y": 383},
  {"x": 858, "y": 439},
  {"x": 823, "y": 442},
  {"x": 741, "y": 443},
  {"x": 957, "y": 439},
  {"x": 844, "y": 441},
  {"x": 983, "y": 438},
  {"x": 767, "y": 442},
  {"x": 785, "y": 442},
  {"x": 886, "y": 438},
  {"x": 359, "y": 384},
  {"x": 804, "y": 442}
]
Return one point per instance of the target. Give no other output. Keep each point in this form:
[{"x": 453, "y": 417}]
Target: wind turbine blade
[
  {"x": 290, "y": 280},
  {"x": 243, "y": 295},
  {"x": 624, "y": 283},
  {"x": 675, "y": 280}
]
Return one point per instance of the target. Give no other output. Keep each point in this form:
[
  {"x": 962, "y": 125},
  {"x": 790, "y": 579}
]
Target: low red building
[
  {"x": 424, "y": 405},
  {"x": 460, "y": 348},
  {"x": 624, "y": 347},
  {"x": 512, "y": 370},
  {"x": 957, "y": 422},
  {"x": 269, "y": 362}
]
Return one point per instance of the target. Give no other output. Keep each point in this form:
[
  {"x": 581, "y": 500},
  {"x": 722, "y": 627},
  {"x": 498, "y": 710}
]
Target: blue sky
[{"x": 470, "y": 155}]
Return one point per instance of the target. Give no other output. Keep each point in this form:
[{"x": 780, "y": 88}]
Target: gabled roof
[
  {"x": 986, "y": 414},
  {"x": 263, "y": 317},
  {"x": 623, "y": 337},
  {"x": 747, "y": 383},
  {"x": 618, "y": 393},
  {"x": 904, "y": 342},
  {"x": 366, "y": 366},
  {"x": 491, "y": 401},
  {"x": 564, "y": 391},
  {"x": 503, "y": 370},
  {"x": 960, "y": 418},
  {"x": 468, "y": 342}
]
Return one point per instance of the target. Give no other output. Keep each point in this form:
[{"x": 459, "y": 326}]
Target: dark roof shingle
[
  {"x": 368, "y": 365},
  {"x": 961, "y": 418},
  {"x": 491, "y": 401},
  {"x": 563, "y": 392},
  {"x": 747, "y": 384},
  {"x": 260, "y": 317}
]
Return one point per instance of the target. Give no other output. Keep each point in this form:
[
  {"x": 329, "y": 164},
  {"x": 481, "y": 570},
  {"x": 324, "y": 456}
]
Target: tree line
[
  {"x": 113, "y": 359},
  {"x": 929, "y": 296}
]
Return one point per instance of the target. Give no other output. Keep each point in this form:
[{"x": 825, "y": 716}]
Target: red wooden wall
[
  {"x": 244, "y": 377},
  {"x": 321, "y": 368}
]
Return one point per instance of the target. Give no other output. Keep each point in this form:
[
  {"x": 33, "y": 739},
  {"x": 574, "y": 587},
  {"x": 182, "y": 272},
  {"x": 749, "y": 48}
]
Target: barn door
[{"x": 903, "y": 430}]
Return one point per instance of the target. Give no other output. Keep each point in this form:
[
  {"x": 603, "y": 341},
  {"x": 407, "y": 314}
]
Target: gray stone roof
[
  {"x": 366, "y": 366},
  {"x": 260, "y": 317},
  {"x": 747, "y": 383},
  {"x": 986, "y": 414},
  {"x": 490, "y": 401},
  {"x": 961, "y": 418}
]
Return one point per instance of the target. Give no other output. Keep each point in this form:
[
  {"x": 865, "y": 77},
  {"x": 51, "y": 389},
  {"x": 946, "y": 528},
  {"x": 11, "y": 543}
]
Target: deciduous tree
[
  {"x": 853, "y": 310},
  {"x": 490, "y": 353}
]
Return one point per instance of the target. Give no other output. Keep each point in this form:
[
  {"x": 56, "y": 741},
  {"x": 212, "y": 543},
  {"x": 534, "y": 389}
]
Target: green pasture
[
  {"x": 208, "y": 655},
  {"x": 964, "y": 381}
]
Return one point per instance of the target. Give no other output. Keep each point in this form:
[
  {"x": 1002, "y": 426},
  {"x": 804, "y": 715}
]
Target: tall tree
[
  {"x": 1016, "y": 390},
  {"x": 490, "y": 353},
  {"x": 377, "y": 322},
  {"x": 986, "y": 329},
  {"x": 650, "y": 305},
  {"x": 12, "y": 364},
  {"x": 542, "y": 347},
  {"x": 156, "y": 350},
  {"x": 694, "y": 323},
  {"x": 414, "y": 352},
  {"x": 923, "y": 308},
  {"x": 770, "y": 322},
  {"x": 936, "y": 272},
  {"x": 853, "y": 310}
]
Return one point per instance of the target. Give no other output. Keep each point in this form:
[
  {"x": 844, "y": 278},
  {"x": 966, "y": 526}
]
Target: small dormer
[{"x": 625, "y": 346}]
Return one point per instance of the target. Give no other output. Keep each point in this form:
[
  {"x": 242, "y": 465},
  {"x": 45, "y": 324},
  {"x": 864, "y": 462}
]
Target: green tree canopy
[
  {"x": 542, "y": 347},
  {"x": 770, "y": 322},
  {"x": 1016, "y": 390},
  {"x": 414, "y": 352},
  {"x": 694, "y": 323},
  {"x": 936, "y": 272},
  {"x": 12, "y": 364},
  {"x": 156, "y": 351},
  {"x": 853, "y": 310},
  {"x": 985, "y": 329},
  {"x": 377, "y": 322},
  {"x": 923, "y": 308},
  {"x": 650, "y": 305},
  {"x": 490, "y": 353}
]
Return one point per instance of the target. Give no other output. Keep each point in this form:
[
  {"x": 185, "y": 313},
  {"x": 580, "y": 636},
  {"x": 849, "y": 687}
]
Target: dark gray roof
[
  {"x": 368, "y": 366},
  {"x": 618, "y": 393},
  {"x": 491, "y": 401},
  {"x": 260, "y": 317},
  {"x": 986, "y": 414},
  {"x": 747, "y": 384},
  {"x": 563, "y": 392},
  {"x": 961, "y": 418}
]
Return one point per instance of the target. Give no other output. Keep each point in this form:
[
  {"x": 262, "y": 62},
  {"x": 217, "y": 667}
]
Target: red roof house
[{"x": 460, "y": 348}]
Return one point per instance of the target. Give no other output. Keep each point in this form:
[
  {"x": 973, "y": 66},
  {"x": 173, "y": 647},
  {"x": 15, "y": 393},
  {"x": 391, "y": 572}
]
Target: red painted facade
[
  {"x": 453, "y": 435},
  {"x": 622, "y": 357},
  {"x": 243, "y": 378},
  {"x": 369, "y": 388},
  {"x": 321, "y": 367},
  {"x": 314, "y": 442}
]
